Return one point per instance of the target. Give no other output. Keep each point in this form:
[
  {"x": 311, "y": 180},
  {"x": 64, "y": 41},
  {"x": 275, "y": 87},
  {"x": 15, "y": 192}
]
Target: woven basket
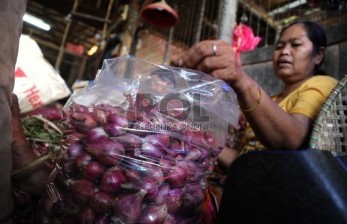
[{"x": 330, "y": 128}]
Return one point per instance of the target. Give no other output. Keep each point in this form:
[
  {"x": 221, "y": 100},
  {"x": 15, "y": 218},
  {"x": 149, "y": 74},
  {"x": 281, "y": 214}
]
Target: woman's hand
[
  {"x": 21, "y": 151},
  {"x": 34, "y": 179},
  {"x": 217, "y": 58}
]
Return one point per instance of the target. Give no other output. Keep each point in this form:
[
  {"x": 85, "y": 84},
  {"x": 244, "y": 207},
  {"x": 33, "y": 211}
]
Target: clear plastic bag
[{"x": 138, "y": 145}]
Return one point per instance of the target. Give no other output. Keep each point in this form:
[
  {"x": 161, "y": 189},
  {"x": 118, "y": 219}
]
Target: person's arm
[
  {"x": 274, "y": 127},
  {"x": 30, "y": 180},
  {"x": 11, "y": 14},
  {"x": 227, "y": 156}
]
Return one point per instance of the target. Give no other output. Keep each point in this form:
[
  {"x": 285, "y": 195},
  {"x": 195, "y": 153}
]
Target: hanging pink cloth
[{"x": 244, "y": 39}]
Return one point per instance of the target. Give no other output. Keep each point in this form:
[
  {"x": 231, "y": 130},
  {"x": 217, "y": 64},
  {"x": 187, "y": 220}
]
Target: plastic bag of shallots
[{"x": 138, "y": 144}]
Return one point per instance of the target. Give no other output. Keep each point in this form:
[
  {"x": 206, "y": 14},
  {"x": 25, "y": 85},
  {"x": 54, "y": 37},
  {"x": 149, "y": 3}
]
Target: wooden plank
[{"x": 259, "y": 11}]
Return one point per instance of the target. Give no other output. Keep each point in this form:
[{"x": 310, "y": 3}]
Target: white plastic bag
[{"x": 37, "y": 83}]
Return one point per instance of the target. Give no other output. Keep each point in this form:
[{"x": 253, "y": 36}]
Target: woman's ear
[{"x": 320, "y": 56}]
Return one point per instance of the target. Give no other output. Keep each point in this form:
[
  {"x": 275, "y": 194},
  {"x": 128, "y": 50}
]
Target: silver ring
[{"x": 214, "y": 49}]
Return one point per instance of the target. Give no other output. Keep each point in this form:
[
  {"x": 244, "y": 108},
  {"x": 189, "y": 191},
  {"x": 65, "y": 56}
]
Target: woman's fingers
[
  {"x": 217, "y": 58},
  {"x": 194, "y": 57},
  {"x": 212, "y": 63},
  {"x": 205, "y": 49}
]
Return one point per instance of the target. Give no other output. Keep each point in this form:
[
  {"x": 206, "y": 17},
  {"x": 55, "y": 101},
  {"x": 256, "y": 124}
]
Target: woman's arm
[{"x": 274, "y": 127}]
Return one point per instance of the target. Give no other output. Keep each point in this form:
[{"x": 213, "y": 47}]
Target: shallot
[
  {"x": 101, "y": 202},
  {"x": 112, "y": 180},
  {"x": 93, "y": 171},
  {"x": 83, "y": 189},
  {"x": 128, "y": 206},
  {"x": 153, "y": 214}
]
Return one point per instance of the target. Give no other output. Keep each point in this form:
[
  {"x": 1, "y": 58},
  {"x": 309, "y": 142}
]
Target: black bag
[{"x": 307, "y": 186}]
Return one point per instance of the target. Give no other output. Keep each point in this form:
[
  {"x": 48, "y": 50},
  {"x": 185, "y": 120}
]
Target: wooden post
[
  {"x": 66, "y": 32},
  {"x": 105, "y": 27}
]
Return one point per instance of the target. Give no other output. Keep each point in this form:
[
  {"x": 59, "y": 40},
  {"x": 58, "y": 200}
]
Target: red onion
[
  {"x": 109, "y": 109},
  {"x": 112, "y": 180},
  {"x": 63, "y": 207},
  {"x": 190, "y": 206},
  {"x": 128, "y": 206},
  {"x": 83, "y": 121},
  {"x": 113, "y": 129},
  {"x": 82, "y": 160},
  {"x": 49, "y": 112},
  {"x": 196, "y": 138},
  {"x": 216, "y": 150},
  {"x": 86, "y": 216},
  {"x": 93, "y": 171},
  {"x": 210, "y": 139},
  {"x": 73, "y": 137},
  {"x": 151, "y": 150},
  {"x": 144, "y": 102},
  {"x": 196, "y": 190},
  {"x": 177, "y": 176},
  {"x": 205, "y": 155},
  {"x": 150, "y": 185},
  {"x": 193, "y": 154},
  {"x": 130, "y": 141},
  {"x": 75, "y": 149},
  {"x": 96, "y": 135},
  {"x": 83, "y": 189},
  {"x": 79, "y": 108},
  {"x": 160, "y": 140},
  {"x": 155, "y": 173},
  {"x": 193, "y": 171},
  {"x": 133, "y": 175},
  {"x": 107, "y": 152},
  {"x": 118, "y": 119},
  {"x": 101, "y": 202},
  {"x": 153, "y": 214},
  {"x": 173, "y": 199},
  {"x": 189, "y": 220},
  {"x": 134, "y": 115},
  {"x": 169, "y": 219},
  {"x": 103, "y": 219},
  {"x": 137, "y": 172},
  {"x": 99, "y": 116},
  {"x": 166, "y": 164},
  {"x": 139, "y": 128},
  {"x": 162, "y": 193},
  {"x": 177, "y": 149}
]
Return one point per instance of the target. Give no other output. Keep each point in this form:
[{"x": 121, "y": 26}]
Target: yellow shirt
[{"x": 307, "y": 99}]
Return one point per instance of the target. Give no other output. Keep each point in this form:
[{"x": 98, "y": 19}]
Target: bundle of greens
[{"x": 44, "y": 135}]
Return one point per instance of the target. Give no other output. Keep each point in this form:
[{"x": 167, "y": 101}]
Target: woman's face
[{"x": 293, "y": 59}]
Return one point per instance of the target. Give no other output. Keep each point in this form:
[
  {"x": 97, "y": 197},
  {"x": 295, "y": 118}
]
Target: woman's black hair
[{"x": 317, "y": 36}]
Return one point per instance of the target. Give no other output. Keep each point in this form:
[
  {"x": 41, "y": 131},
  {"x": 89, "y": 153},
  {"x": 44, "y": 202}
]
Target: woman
[{"x": 283, "y": 121}]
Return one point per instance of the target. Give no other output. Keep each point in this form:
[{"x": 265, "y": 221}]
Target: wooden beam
[
  {"x": 259, "y": 11},
  {"x": 51, "y": 45}
]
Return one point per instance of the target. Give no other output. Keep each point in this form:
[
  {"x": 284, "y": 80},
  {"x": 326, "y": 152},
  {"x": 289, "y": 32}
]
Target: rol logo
[{"x": 178, "y": 106}]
